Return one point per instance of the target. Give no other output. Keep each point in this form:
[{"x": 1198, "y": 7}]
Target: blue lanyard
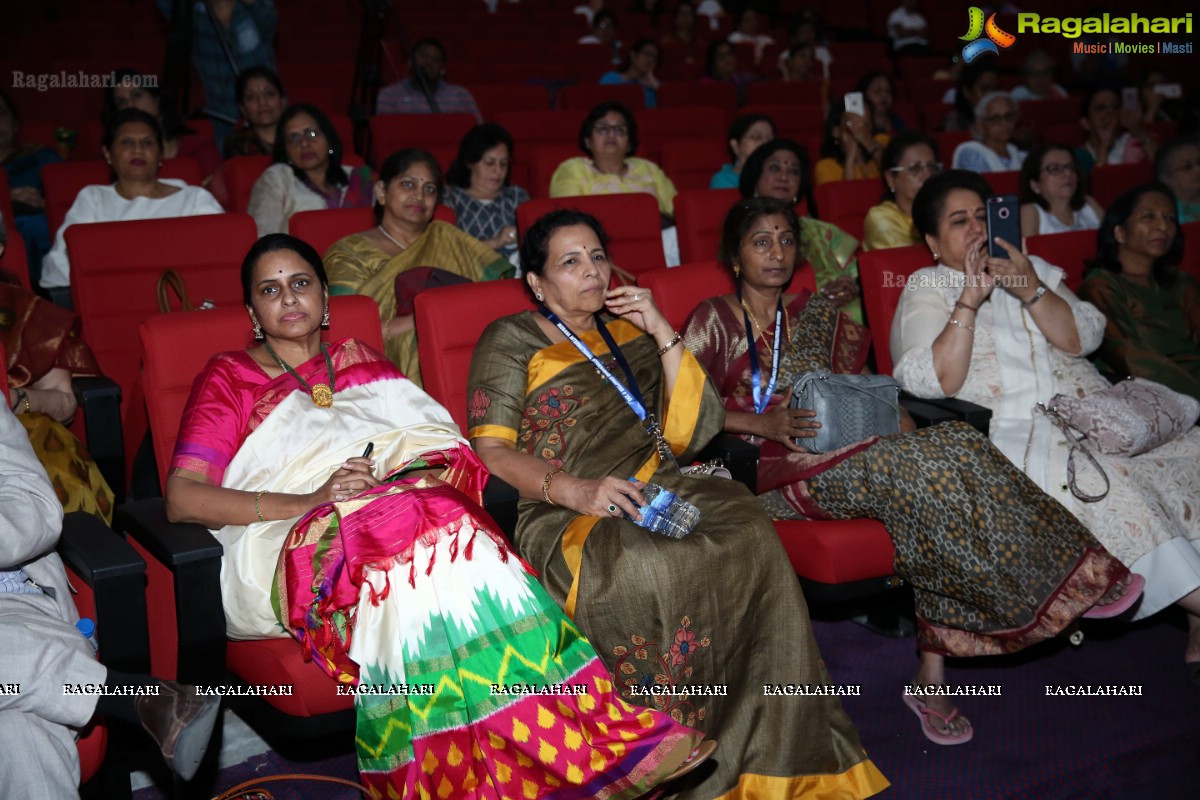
[
  {"x": 761, "y": 399},
  {"x": 632, "y": 394}
]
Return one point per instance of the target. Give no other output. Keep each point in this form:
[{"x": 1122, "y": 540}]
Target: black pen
[{"x": 370, "y": 449}]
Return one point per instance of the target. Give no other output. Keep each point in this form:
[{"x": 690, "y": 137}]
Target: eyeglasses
[
  {"x": 992, "y": 119},
  {"x": 932, "y": 167},
  {"x": 1058, "y": 169},
  {"x": 615, "y": 130},
  {"x": 296, "y": 137}
]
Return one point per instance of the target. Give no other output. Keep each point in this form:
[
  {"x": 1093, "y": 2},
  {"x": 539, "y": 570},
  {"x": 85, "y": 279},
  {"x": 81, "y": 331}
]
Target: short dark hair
[
  {"x": 249, "y": 74},
  {"x": 833, "y": 121},
  {"x": 333, "y": 169},
  {"x": 598, "y": 113},
  {"x": 894, "y": 151},
  {"x": 474, "y": 144},
  {"x": 1166, "y": 269},
  {"x": 428, "y": 41},
  {"x": 274, "y": 243},
  {"x": 741, "y": 217},
  {"x": 172, "y": 123},
  {"x": 604, "y": 15},
  {"x": 742, "y": 125},
  {"x": 967, "y": 79},
  {"x": 398, "y": 162},
  {"x": 930, "y": 202},
  {"x": 753, "y": 168},
  {"x": 1090, "y": 96},
  {"x": 127, "y": 116},
  {"x": 1031, "y": 171},
  {"x": 535, "y": 243},
  {"x": 642, "y": 42},
  {"x": 1170, "y": 149},
  {"x": 710, "y": 55},
  {"x": 866, "y": 80}
]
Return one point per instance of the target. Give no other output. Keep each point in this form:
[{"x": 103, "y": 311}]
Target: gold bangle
[
  {"x": 546, "y": 485},
  {"x": 258, "y": 510},
  {"x": 25, "y": 402},
  {"x": 663, "y": 350}
]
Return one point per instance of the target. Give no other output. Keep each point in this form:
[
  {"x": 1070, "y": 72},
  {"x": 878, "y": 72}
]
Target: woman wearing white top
[
  {"x": 1006, "y": 333},
  {"x": 992, "y": 151},
  {"x": 133, "y": 147},
  {"x": 307, "y": 174},
  {"x": 1052, "y": 198}
]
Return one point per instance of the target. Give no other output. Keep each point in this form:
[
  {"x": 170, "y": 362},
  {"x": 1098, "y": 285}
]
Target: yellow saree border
[
  {"x": 681, "y": 410},
  {"x": 553, "y": 359},
  {"x": 495, "y": 431},
  {"x": 862, "y": 780}
]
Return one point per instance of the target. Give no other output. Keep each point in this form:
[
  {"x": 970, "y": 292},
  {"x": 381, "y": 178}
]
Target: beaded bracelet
[
  {"x": 258, "y": 510},
  {"x": 961, "y": 325},
  {"x": 546, "y": 485},
  {"x": 662, "y": 350}
]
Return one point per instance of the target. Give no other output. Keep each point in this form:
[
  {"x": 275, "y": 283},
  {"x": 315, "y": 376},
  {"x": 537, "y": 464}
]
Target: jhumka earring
[
  {"x": 258, "y": 334},
  {"x": 737, "y": 271},
  {"x": 325, "y": 319}
]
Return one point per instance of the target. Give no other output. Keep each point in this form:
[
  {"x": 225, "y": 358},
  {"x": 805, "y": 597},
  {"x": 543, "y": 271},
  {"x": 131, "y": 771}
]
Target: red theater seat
[
  {"x": 630, "y": 220},
  {"x": 1070, "y": 250},
  {"x": 846, "y": 203}
]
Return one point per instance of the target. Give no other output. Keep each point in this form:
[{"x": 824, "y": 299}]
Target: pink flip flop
[
  {"x": 923, "y": 712},
  {"x": 1133, "y": 590}
]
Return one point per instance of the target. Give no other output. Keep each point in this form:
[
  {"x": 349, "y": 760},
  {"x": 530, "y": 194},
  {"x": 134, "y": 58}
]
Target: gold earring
[
  {"x": 325, "y": 319},
  {"x": 737, "y": 271},
  {"x": 935, "y": 255},
  {"x": 258, "y": 334}
]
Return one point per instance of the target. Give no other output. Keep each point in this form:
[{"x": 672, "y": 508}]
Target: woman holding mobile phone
[
  {"x": 1007, "y": 334},
  {"x": 849, "y": 149}
]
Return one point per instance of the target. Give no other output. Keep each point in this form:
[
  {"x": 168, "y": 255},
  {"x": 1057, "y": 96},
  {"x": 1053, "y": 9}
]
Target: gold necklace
[
  {"x": 762, "y": 332},
  {"x": 391, "y": 238},
  {"x": 321, "y": 393}
]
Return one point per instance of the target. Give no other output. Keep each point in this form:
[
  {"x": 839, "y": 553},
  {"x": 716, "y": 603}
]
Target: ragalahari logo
[{"x": 976, "y": 28}]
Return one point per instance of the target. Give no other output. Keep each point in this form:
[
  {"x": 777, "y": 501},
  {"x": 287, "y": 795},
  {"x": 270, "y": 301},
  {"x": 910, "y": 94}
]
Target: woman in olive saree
[{"x": 694, "y": 626}]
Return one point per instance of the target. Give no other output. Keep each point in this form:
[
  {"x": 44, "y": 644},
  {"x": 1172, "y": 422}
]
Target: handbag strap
[
  {"x": 250, "y": 785},
  {"x": 1076, "y": 445},
  {"x": 171, "y": 278}
]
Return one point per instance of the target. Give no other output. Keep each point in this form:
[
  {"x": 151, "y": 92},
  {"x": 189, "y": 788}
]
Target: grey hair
[{"x": 981, "y": 107}]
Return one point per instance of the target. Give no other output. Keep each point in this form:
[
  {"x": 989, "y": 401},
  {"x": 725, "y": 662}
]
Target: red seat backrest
[
  {"x": 6, "y": 209},
  {"x": 691, "y": 162},
  {"x": 176, "y": 347},
  {"x": 678, "y": 95},
  {"x": 15, "y": 260},
  {"x": 882, "y": 274},
  {"x": 392, "y": 132},
  {"x": 846, "y": 203},
  {"x": 1007, "y": 182},
  {"x": 500, "y": 98},
  {"x": 584, "y": 97},
  {"x": 1112, "y": 180},
  {"x": 1191, "y": 248},
  {"x": 792, "y": 121},
  {"x": 450, "y": 320},
  {"x": 62, "y": 182},
  {"x": 538, "y": 127},
  {"x": 800, "y": 93},
  {"x": 692, "y": 121},
  {"x": 241, "y": 173},
  {"x": 679, "y": 290},
  {"x": 543, "y": 159},
  {"x": 630, "y": 220},
  {"x": 699, "y": 215},
  {"x": 115, "y": 268},
  {"x": 1070, "y": 250}
]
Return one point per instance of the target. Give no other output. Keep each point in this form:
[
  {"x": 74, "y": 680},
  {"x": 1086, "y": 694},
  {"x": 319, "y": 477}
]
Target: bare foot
[{"x": 1115, "y": 592}]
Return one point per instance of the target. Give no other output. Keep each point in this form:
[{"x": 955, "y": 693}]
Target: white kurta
[
  {"x": 1150, "y": 519},
  {"x": 103, "y": 204}
]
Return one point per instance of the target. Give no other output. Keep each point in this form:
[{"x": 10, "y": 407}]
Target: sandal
[
  {"x": 1133, "y": 591},
  {"x": 924, "y": 712}
]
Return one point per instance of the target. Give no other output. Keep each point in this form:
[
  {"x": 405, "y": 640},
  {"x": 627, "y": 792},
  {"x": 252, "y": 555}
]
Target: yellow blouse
[
  {"x": 579, "y": 176},
  {"x": 887, "y": 226}
]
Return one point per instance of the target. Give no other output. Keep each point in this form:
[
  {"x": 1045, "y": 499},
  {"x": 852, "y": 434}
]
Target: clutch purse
[{"x": 850, "y": 408}]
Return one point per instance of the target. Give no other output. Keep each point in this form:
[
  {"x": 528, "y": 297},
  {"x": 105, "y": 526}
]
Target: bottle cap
[{"x": 87, "y": 627}]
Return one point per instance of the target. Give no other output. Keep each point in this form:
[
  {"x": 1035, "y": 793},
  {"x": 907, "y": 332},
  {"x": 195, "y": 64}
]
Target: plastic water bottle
[
  {"x": 665, "y": 513},
  {"x": 87, "y": 628}
]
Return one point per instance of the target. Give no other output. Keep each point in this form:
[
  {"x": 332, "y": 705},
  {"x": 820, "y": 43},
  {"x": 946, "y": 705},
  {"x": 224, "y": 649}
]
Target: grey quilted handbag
[{"x": 850, "y": 408}]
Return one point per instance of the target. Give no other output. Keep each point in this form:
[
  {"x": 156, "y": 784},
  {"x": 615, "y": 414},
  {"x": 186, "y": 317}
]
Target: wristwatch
[{"x": 1037, "y": 295}]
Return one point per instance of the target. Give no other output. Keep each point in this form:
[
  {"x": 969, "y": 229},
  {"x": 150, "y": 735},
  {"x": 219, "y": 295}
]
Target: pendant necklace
[
  {"x": 321, "y": 393},
  {"x": 391, "y": 238}
]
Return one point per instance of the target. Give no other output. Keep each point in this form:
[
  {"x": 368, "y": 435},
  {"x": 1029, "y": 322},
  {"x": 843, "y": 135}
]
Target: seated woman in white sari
[{"x": 348, "y": 507}]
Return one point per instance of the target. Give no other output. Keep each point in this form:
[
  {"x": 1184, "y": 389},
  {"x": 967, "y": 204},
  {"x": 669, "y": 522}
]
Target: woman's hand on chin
[
  {"x": 636, "y": 304},
  {"x": 351, "y": 478}
]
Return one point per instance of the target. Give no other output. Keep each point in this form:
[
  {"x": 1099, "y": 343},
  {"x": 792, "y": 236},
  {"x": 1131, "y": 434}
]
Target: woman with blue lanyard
[
  {"x": 568, "y": 405},
  {"x": 995, "y": 564}
]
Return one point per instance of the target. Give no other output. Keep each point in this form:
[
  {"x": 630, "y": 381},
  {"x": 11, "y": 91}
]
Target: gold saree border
[{"x": 862, "y": 780}]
